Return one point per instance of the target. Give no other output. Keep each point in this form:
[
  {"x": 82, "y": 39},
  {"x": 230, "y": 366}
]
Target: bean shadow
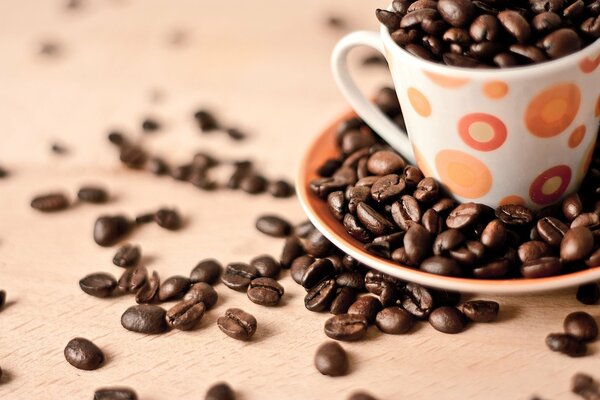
[{"x": 507, "y": 313}]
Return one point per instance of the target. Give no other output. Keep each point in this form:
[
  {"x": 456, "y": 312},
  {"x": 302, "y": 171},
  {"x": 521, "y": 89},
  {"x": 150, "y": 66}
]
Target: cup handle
[{"x": 391, "y": 133}]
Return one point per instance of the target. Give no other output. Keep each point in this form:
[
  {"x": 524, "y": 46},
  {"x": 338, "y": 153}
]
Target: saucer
[{"x": 322, "y": 148}]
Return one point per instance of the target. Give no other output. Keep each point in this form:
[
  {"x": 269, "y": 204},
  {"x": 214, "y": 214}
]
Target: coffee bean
[
  {"x": 329, "y": 167},
  {"x": 427, "y": 191},
  {"x": 132, "y": 279},
  {"x": 253, "y": 184},
  {"x": 585, "y": 386},
  {"x": 3, "y": 172},
  {"x": 361, "y": 396},
  {"x": 127, "y": 256},
  {"x": 394, "y": 320},
  {"x": 463, "y": 215},
  {"x": 577, "y": 244},
  {"x": 387, "y": 18},
  {"x": 237, "y": 324},
  {"x": 148, "y": 291},
  {"x": 591, "y": 220},
  {"x": 546, "y": 21},
  {"x": 150, "y": 125},
  {"x": 367, "y": 306},
  {"x": 515, "y": 24},
  {"x": 485, "y": 28},
  {"x": 266, "y": 266},
  {"x": 494, "y": 234},
  {"x": 591, "y": 26},
  {"x": 185, "y": 315},
  {"x": 346, "y": 327},
  {"x": 303, "y": 229},
  {"x": 157, "y": 166},
  {"x": 207, "y": 271},
  {"x": 108, "y": 230},
  {"x": 299, "y": 266},
  {"x": 372, "y": 220},
  {"x": 406, "y": 212},
  {"x": 572, "y": 206},
  {"x": 342, "y": 301},
  {"x": 92, "y": 194},
  {"x": 514, "y": 214},
  {"x": 581, "y": 325},
  {"x": 144, "y": 219},
  {"x": 387, "y": 187},
  {"x": 336, "y": 204},
  {"x": 389, "y": 296},
  {"x": 354, "y": 280},
  {"x": 202, "y": 292},
  {"x": 456, "y": 12},
  {"x": 539, "y": 6},
  {"x": 566, "y": 344},
  {"x": 533, "y": 250},
  {"x": 331, "y": 359},
  {"x": 115, "y": 393},
  {"x": 561, "y": 42},
  {"x": 385, "y": 162},
  {"x": 387, "y": 101},
  {"x": 439, "y": 265},
  {"x": 551, "y": 230},
  {"x": 320, "y": 296},
  {"x": 469, "y": 254},
  {"x": 280, "y": 189},
  {"x": 206, "y": 120},
  {"x": 317, "y": 271},
  {"x": 588, "y": 293},
  {"x": 447, "y": 320},
  {"x": 446, "y": 241},
  {"x": 273, "y": 225},
  {"x": 2, "y": 298},
  {"x": 50, "y": 202},
  {"x": 542, "y": 267},
  {"x": 132, "y": 156},
  {"x": 83, "y": 354},
  {"x": 237, "y": 276},
  {"x": 292, "y": 249},
  {"x": 173, "y": 288},
  {"x": 265, "y": 291},
  {"x": 220, "y": 391},
  {"x": 168, "y": 218},
  {"x": 417, "y": 300},
  {"x": 98, "y": 285},
  {"x": 242, "y": 169},
  {"x": 417, "y": 243},
  {"x": 481, "y": 310},
  {"x": 376, "y": 281},
  {"x": 317, "y": 245},
  {"x": 505, "y": 60}
]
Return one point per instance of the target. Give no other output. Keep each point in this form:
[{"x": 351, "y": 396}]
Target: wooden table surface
[{"x": 263, "y": 66}]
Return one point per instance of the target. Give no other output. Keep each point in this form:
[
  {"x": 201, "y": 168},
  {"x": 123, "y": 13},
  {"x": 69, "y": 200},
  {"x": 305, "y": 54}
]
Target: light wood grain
[{"x": 263, "y": 65}]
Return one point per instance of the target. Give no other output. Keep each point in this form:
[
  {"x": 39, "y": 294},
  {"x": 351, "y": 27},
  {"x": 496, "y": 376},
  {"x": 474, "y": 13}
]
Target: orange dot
[
  {"x": 552, "y": 111},
  {"x": 577, "y": 136},
  {"x": 465, "y": 175},
  {"x": 588, "y": 65},
  {"x": 446, "y": 81},
  {"x": 512, "y": 199},
  {"x": 483, "y": 132},
  {"x": 597, "y": 110},
  {"x": 419, "y": 102},
  {"x": 421, "y": 163},
  {"x": 495, "y": 89}
]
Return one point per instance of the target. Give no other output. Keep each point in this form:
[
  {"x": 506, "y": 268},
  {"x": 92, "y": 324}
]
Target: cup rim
[{"x": 493, "y": 73}]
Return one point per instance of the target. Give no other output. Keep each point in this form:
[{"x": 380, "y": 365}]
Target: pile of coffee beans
[
  {"x": 58, "y": 201},
  {"x": 492, "y": 33},
  {"x": 579, "y": 329},
  {"x": 403, "y": 216}
]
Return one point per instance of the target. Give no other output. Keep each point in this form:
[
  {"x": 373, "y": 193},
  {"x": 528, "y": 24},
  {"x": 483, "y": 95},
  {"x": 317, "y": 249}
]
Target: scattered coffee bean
[
  {"x": 265, "y": 291},
  {"x": 273, "y": 225},
  {"x": 280, "y": 189},
  {"x": 2, "y": 298},
  {"x": 447, "y": 319},
  {"x": 585, "y": 386},
  {"x": 320, "y": 297},
  {"x": 292, "y": 249},
  {"x": 342, "y": 301},
  {"x": 317, "y": 271},
  {"x": 144, "y": 219},
  {"x": 202, "y": 292},
  {"x": 168, "y": 219},
  {"x": 589, "y": 293},
  {"x": 132, "y": 279},
  {"x": 581, "y": 325},
  {"x": 127, "y": 256},
  {"x": 237, "y": 276},
  {"x": 173, "y": 288},
  {"x": 145, "y": 318},
  {"x": 208, "y": 271},
  {"x": 108, "y": 230},
  {"x": 185, "y": 315},
  {"x": 98, "y": 285},
  {"x": 50, "y": 202},
  {"x": 206, "y": 120},
  {"x": 394, "y": 320},
  {"x": 83, "y": 354},
  {"x": 132, "y": 156},
  {"x": 331, "y": 359},
  {"x": 115, "y": 393},
  {"x": 157, "y": 166},
  {"x": 220, "y": 391},
  {"x": 266, "y": 266},
  {"x": 92, "y": 194},
  {"x": 253, "y": 184},
  {"x": 481, "y": 310},
  {"x": 361, "y": 396},
  {"x": 237, "y": 324},
  {"x": 566, "y": 344},
  {"x": 148, "y": 291},
  {"x": 150, "y": 125},
  {"x": 366, "y": 306},
  {"x": 346, "y": 327}
]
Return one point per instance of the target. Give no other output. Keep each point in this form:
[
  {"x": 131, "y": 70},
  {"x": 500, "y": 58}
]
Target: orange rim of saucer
[{"x": 324, "y": 147}]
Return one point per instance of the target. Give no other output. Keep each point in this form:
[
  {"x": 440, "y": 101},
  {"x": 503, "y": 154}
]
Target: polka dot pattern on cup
[
  {"x": 419, "y": 102},
  {"x": 495, "y": 89},
  {"x": 550, "y": 185},
  {"x": 446, "y": 81},
  {"x": 465, "y": 175},
  {"x": 553, "y": 110},
  {"x": 589, "y": 65},
  {"x": 483, "y": 132},
  {"x": 577, "y": 136}
]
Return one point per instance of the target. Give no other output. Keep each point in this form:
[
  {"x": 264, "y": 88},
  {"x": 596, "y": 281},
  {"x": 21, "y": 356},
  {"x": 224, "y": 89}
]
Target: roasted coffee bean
[
  {"x": 389, "y": 296},
  {"x": 577, "y": 244},
  {"x": 514, "y": 214},
  {"x": 342, "y": 301},
  {"x": 185, "y": 315},
  {"x": 317, "y": 271},
  {"x": 144, "y": 219},
  {"x": 581, "y": 325},
  {"x": 173, "y": 288},
  {"x": 485, "y": 28},
  {"x": 108, "y": 230},
  {"x": 98, "y": 285},
  {"x": 150, "y": 125},
  {"x": 404, "y": 37},
  {"x": 355, "y": 229},
  {"x": 591, "y": 26},
  {"x": 505, "y": 60},
  {"x": 561, "y": 42},
  {"x": 50, "y": 202},
  {"x": 494, "y": 234},
  {"x": 585, "y": 386},
  {"x": 432, "y": 222},
  {"x": 566, "y": 344},
  {"x": 463, "y": 215},
  {"x": 266, "y": 266},
  {"x": 202, "y": 292},
  {"x": 299, "y": 266},
  {"x": 83, "y": 354},
  {"x": 367, "y": 306},
  {"x": 394, "y": 320},
  {"x": 387, "y": 187},
  {"x": 132, "y": 156},
  {"x": 417, "y": 300},
  {"x": 237, "y": 276},
  {"x": 220, "y": 391},
  {"x": 456, "y": 12},
  {"x": 336, "y": 204},
  {"x": 253, "y": 184},
  {"x": 208, "y": 271},
  {"x": 439, "y": 265},
  {"x": 546, "y": 22},
  {"x": 528, "y": 54},
  {"x": 469, "y": 254},
  {"x": 157, "y": 166},
  {"x": 237, "y": 324},
  {"x": 551, "y": 230},
  {"x": 361, "y": 396},
  {"x": 542, "y": 267},
  {"x": 594, "y": 259},
  {"x": 406, "y": 212},
  {"x": 481, "y": 310},
  {"x": 303, "y": 229},
  {"x": 387, "y": 18},
  {"x": 494, "y": 269},
  {"x": 415, "y": 18},
  {"x": 372, "y": 220},
  {"x": 181, "y": 173},
  {"x": 420, "y": 4},
  {"x": 572, "y": 207},
  {"x": 320, "y": 296},
  {"x": 329, "y": 167},
  {"x": 412, "y": 176},
  {"x": 2, "y": 298},
  {"x": 533, "y": 250},
  {"x": 375, "y": 281},
  {"x": 292, "y": 249},
  {"x": 148, "y": 319},
  {"x": 427, "y": 190},
  {"x": 127, "y": 256},
  {"x": 589, "y": 293},
  {"x": 115, "y": 393},
  {"x": 515, "y": 24},
  {"x": 273, "y": 225},
  {"x": 280, "y": 189},
  {"x": 446, "y": 241},
  {"x": 346, "y": 327},
  {"x": 265, "y": 291},
  {"x": 591, "y": 220},
  {"x": 148, "y": 291},
  {"x": 132, "y": 279},
  {"x": 92, "y": 194},
  {"x": 317, "y": 245},
  {"x": 417, "y": 243},
  {"x": 331, "y": 359},
  {"x": 384, "y": 245},
  {"x": 168, "y": 218},
  {"x": 206, "y": 120},
  {"x": 354, "y": 280},
  {"x": 116, "y": 138},
  {"x": 356, "y": 195},
  {"x": 447, "y": 320},
  {"x": 242, "y": 169},
  {"x": 457, "y": 36},
  {"x": 385, "y": 162}
]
